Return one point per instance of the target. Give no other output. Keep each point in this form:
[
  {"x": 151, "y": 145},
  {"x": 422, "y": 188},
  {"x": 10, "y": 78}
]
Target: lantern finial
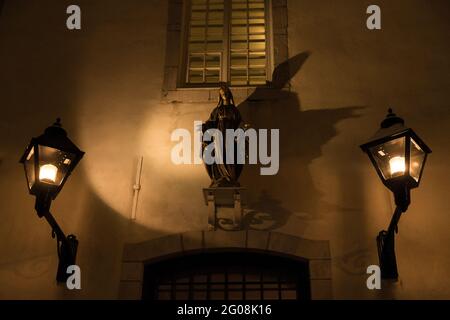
[
  {"x": 56, "y": 129},
  {"x": 391, "y": 119}
]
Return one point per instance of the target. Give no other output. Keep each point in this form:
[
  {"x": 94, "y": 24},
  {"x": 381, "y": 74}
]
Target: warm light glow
[
  {"x": 397, "y": 165},
  {"x": 47, "y": 173}
]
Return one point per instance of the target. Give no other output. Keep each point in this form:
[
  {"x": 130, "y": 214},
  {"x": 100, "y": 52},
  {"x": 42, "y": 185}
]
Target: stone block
[
  {"x": 132, "y": 271},
  {"x": 257, "y": 239},
  {"x": 321, "y": 290},
  {"x": 130, "y": 290},
  {"x": 320, "y": 269},
  {"x": 152, "y": 248},
  {"x": 192, "y": 240},
  {"x": 225, "y": 239}
]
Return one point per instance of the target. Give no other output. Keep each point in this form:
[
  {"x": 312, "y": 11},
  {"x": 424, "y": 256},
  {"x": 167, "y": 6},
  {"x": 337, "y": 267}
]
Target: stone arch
[{"x": 316, "y": 252}]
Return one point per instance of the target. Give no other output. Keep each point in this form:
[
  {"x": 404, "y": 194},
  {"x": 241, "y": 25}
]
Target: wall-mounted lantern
[
  {"x": 398, "y": 155},
  {"x": 48, "y": 161}
]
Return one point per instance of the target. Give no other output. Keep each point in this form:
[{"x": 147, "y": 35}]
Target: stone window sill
[{"x": 204, "y": 94}]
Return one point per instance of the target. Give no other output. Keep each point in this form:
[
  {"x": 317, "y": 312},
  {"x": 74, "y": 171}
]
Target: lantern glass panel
[
  {"x": 54, "y": 165},
  {"x": 29, "y": 168},
  {"x": 390, "y": 158},
  {"x": 417, "y": 160}
]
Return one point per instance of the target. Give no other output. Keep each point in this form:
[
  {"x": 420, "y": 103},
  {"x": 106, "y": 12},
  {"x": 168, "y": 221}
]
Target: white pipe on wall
[{"x": 137, "y": 188}]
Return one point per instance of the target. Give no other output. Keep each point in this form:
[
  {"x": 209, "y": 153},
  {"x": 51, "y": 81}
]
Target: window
[
  {"x": 227, "y": 40},
  {"x": 191, "y": 76},
  {"x": 227, "y": 276}
]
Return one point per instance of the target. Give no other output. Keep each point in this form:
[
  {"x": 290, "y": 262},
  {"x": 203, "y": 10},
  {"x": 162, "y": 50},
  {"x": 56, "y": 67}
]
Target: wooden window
[{"x": 227, "y": 40}]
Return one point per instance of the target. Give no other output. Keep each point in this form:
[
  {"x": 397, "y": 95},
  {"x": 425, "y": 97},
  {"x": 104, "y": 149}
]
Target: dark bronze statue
[{"x": 225, "y": 116}]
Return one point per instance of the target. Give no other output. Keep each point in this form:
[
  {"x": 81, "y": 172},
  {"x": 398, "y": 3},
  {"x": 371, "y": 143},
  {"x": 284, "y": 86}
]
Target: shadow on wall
[
  {"x": 101, "y": 246},
  {"x": 273, "y": 199}
]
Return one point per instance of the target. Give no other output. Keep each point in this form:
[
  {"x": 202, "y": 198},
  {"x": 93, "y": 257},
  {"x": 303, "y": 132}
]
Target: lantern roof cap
[
  {"x": 55, "y": 137},
  {"x": 392, "y": 125},
  {"x": 56, "y": 129}
]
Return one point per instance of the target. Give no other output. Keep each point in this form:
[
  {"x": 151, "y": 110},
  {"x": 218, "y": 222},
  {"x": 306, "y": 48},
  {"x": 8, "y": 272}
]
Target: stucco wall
[{"x": 105, "y": 82}]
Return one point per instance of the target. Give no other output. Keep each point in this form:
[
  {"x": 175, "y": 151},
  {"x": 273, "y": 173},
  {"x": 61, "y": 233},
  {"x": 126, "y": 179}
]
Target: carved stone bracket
[{"x": 218, "y": 199}]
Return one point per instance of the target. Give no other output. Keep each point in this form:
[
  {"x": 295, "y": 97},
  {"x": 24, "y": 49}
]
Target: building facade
[{"x": 138, "y": 70}]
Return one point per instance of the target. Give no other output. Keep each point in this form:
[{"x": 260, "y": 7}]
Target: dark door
[{"x": 227, "y": 276}]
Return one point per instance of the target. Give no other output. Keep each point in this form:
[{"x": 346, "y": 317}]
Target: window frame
[
  {"x": 173, "y": 88},
  {"x": 224, "y": 76}
]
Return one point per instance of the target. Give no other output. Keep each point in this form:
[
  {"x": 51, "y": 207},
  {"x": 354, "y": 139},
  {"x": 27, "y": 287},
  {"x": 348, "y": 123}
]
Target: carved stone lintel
[{"x": 226, "y": 197}]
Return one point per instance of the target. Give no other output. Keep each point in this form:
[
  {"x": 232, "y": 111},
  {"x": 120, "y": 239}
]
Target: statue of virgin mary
[{"x": 224, "y": 116}]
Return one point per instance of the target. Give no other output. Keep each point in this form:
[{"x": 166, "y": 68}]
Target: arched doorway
[
  {"x": 309, "y": 258},
  {"x": 227, "y": 275}
]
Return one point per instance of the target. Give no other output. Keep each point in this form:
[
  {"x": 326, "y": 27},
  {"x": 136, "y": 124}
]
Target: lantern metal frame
[
  {"x": 54, "y": 137},
  {"x": 392, "y": 128}
]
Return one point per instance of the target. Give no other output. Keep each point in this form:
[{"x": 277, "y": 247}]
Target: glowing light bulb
[
  {"x": 47, "y": 173},
  {"x": 397, "y": 165}
]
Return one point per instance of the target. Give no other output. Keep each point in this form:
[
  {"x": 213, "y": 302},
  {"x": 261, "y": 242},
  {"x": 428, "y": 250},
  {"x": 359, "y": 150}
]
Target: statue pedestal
[{"x": 225, "y": 198}]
